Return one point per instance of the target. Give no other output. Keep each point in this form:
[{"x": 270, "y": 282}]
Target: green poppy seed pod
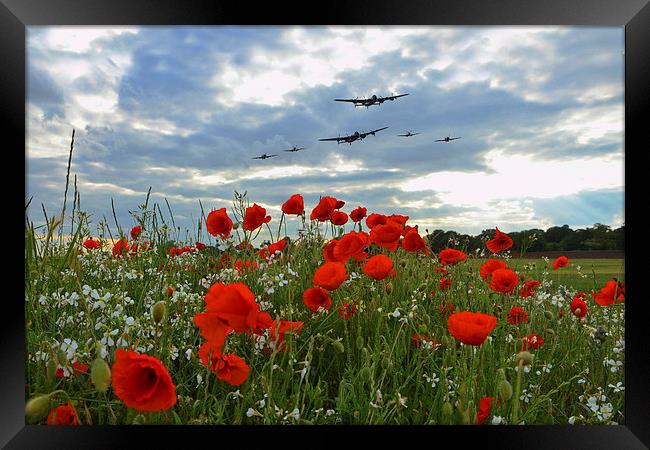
[
  {"x": 100, "y": 374},
  {"x": 158, "y": 313},
  {"x": 505, "y": 390},
  {"x": 338, "y": 345},
  {"x": 365, "y": 374},
  {"x": 386, "y": 363},
  {"x": 139, "y": 420},
  {"x": 235, "y": 225},
  {"x": 501, "y": 374},
  {"x": 360, "y": 342},
  {"x": 462, "y": 392},
  {"x": 37, "y": 407},
  {"x": 549, "y": 331},
  {"x": 422, "y": 287},
  {"x": 549, "y": 315},
  {"x": 526, "y": 357},
  {"x": 447, "y": 409},
  {"x": 366, "y": 354},
  {"x": 50, "y": 369}
]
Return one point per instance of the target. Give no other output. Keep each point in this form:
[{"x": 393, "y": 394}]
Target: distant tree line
[{"x": 598, "y": 237}]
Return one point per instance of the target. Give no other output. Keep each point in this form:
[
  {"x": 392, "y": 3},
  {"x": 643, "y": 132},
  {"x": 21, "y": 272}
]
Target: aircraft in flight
[
  {"x": 353, "y": 137},
  {"x": 447, "y": 139},
  {"x": 367, "y": 102},
  {"x": 264, "y": 156},
  {"x": 409, "y": 134},
  {"x": 295, "y": 149}
]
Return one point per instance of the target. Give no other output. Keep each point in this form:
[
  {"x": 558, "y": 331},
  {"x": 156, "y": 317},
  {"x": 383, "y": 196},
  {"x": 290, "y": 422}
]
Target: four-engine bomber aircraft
[
  {"x": 264, "y": 156},
  {"x": 367, "y": 102},
  {"x": 409, "y": 134},
  {"x": 353, "y": 137},
  {"x": 295, "y": 149},
  {"x": 447, "y": 139}
]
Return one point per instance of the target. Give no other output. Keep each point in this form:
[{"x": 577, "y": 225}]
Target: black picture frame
[{"x": 632, "y": 15}]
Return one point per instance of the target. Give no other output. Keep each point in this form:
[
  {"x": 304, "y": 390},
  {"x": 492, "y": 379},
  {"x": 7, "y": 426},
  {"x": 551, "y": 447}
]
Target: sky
[{"x": 184, "y": 109}]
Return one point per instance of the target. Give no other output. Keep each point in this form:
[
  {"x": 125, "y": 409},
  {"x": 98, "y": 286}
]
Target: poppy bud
[
  {"x": 549, "y": 331},
  {"x": 386, "y": 363},
  {"x": 366, "y": 355},
  {"x": 505, "y": 390},
  {"x": 447, "y": 409},
  {"x": 526, "y": 357},
  {"x": 501, "y": 374},
  {"x": 549, "y": 315},
  {"x": 158, "y": 313},
  {"x": 338, "y": 345},
  {"x": 365, "y": 374},
  {"x": 360, "y": 342},
  {"x": 235, "y": 225},
  {"x": 464, "y": 417},
  {"x": 170, "y": 291},
  {"x": 100, "y": 374},
  {"x": 422, "y": 287},
  {"x": 462, "y": 392},
  {"x": 389, "y": 288},
  {"x": 50, "y": 369},
  {"x": 37, "y": 407},
  {"x": 139, "y": 420}
]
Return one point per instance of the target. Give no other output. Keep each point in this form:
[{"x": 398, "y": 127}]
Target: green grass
[{"x": 365, "y": 370}]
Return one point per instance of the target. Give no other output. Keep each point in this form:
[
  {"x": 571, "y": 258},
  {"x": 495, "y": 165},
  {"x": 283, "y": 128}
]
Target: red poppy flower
[
  {"x": 490, "y": 266},
  {"x": 255, "y": 217},
  {"x": 358, "y": 214},
  {"x": 121, "y": 248},
  {"x": 78, "y": 369},
  {"x": 424, "y": 341},
  {"x": 328, "y": 251},
  {"x": 375, "y": 219},
  {"x": 612, "y": 292},
  {"x": 235, "y": 305},
  {"x": 533, "y": 341},
  {"x": 398, "y": 219},
  {"x": 92, "y": 244},
  {"x": 213, "y": 329},
  {"x": 315, "y": 297},
  {"x": 218, "y": 223},
  {"x": 561, "y": 261},
  {"x": 350, "y": 244},
  {"x": 442, "y": 270},
  {"x": 379, "y": 267},
  {"x": 485, "y": 406},
  {"x": 578, "y": 307},
  {"x": 324, "y": 209},
  {"x": 528, "y": 289},
  {"x": 279, "y": 329},
  {"x": 239, "y": 265},
  {"x": 450, "y": 256},
  {"x": 471, "y": 328},
  {"x": 294, "y": 206},
  {"x": 386, "y": 235},
  {"x": 142, "y": 382},
  {"x": 229, "y": 368},
  {"x": 499, "y": 243},
  {"x": 445, "y": 283},
  {"x": 338, "y": 218},
  {"x": 272, "y": 249},
  {"x": 347, "y": 310},
  {"x": 413, "y": 242},
  {"x": 330, "y": 275},
  {"x": 63, "y": 415},
  {"x": 517, "y": 315},
  {"x": 504, "y": 281},
  {"x": 200, "y": 246},
  {"x": 136, "y": 232}
]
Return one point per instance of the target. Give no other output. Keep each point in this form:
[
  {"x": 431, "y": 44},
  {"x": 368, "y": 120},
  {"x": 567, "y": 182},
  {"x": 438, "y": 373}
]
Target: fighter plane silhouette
[
  {"x": 295, "y": 149},
  {"x": 447, "y": 139},
  {"x": 409, "y": 134}
]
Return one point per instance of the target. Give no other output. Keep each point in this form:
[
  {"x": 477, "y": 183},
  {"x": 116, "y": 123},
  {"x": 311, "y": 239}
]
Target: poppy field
[{"x": 352, "y": 320}]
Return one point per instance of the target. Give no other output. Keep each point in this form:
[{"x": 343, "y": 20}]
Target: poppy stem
[
  {"x": 280, "y": 226},
  {"x": 515, "y": 407}
]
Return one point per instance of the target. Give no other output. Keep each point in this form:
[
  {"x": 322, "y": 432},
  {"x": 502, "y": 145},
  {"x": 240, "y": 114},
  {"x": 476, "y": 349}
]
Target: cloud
[{"x": 184, "y": 109}]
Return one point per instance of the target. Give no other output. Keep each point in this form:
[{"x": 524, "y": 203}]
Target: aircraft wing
[
  {"x": 355, "y": 101},
  {"x": 393, "y": 97},
  {"x": 373, "y": 131},
  {"x": 335, "y": 139},
  {"x": 440, "y": 140}
]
